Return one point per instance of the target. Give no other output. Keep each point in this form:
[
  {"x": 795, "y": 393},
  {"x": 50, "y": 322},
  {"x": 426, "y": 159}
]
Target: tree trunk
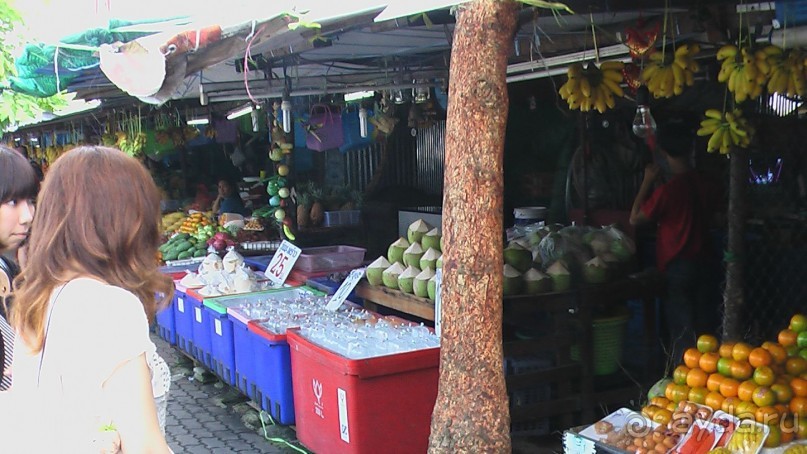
[
  {"x": 733, "y": 295},
  {"x": 471, "y": 413}
]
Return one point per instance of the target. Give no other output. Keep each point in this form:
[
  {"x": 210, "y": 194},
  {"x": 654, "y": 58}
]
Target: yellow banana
[
  {"x": 614, "y": 76},
  {"x": 725, "y": 145},
  {"x": 714, "y": 113},
  {"x": 727, "y": 51},
  {"x": 585, "y": 87},
  {"x": 715, "y": 141},
  {"x": 613, "y": 87},
  {"x": 612, "y": 66},
  {"x": 682, "y": 50}
]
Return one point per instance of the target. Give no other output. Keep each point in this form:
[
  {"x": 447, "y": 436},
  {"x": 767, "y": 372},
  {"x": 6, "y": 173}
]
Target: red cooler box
[{"x": 374, "y": 405}]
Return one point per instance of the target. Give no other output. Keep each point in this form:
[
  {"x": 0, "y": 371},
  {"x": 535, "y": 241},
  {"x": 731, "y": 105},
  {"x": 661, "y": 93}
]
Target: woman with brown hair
[
  {"x": 18, "y": 187},
  {"x": 83, "y": 304}
]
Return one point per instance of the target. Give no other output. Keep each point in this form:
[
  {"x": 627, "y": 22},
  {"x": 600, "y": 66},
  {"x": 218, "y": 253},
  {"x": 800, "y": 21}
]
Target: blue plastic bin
[
  {"x": 166, "y": 323},
  {"x": 200, "y": 330},
  {"x": 183, "y": 321},
  {"x": 273, "y": 374},
  {"x": 244, "y": 350}
]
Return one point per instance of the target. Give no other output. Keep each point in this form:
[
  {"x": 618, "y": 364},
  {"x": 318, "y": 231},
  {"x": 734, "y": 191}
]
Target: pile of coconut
[
  {"x": 555, "y": 258},
  {"x": 411, "y": 262}
]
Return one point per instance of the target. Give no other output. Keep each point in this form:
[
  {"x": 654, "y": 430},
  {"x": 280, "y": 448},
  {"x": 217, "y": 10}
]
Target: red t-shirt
[{"x": 681, "y": 207}]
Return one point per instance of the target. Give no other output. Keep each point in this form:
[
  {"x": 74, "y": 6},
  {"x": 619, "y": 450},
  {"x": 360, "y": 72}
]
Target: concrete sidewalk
[{"x": 203, "y": 419}]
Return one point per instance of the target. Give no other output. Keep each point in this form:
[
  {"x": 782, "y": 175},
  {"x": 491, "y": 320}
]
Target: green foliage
[{"x": 17, "y": 107}]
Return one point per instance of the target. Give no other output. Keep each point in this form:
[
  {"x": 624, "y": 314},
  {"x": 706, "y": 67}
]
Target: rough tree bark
[
  {"x": 471, "y": 413},
  {"x": 733, "y": 295}
]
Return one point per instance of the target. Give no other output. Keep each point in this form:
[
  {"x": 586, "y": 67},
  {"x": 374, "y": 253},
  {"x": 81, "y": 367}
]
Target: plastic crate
[
  {"x": 273, "y": 383},
  {"x": 244, "y": 345},
  {"x": 329, "y": 258},
  {"x": 529, "y": 396},
  {"x": 183, "y": 320},
  {"x": 381, "y": 404},
  {"x": 166, "y": 324},
  {"x": 342, "y": 218}
]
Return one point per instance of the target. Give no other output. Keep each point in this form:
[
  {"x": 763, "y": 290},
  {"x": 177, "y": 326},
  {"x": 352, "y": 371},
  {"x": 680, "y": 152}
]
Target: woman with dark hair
[
  {"x": 83, "y": 302},
  {"x": 18, "y": 187},
  {"x": 228, "y": 200}
]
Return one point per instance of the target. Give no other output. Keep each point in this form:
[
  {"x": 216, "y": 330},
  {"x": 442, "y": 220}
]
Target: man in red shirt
[{"x": 682, "y": 208}]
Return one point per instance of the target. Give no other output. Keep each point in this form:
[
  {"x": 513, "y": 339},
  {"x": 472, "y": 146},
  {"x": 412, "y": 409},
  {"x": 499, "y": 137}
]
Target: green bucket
[{"x": 608, "y": 335}]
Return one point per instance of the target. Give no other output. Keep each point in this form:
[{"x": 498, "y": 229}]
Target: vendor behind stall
[
  {"x": 683, "y": 209},
  {"x": 229, "y": 200}
]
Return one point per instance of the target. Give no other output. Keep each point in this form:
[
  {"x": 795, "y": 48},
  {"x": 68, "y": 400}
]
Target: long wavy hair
[{"x": 97, "y": 216}]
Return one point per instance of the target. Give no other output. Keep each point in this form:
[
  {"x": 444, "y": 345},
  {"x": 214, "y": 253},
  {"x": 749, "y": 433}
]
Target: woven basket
[{"x": 608, "y": 335}]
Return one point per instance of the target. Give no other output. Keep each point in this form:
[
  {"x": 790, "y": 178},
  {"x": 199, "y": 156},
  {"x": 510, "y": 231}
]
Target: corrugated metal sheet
[
  {"x": 362, "y": 163},
  {"x": 430, "y": 154}
]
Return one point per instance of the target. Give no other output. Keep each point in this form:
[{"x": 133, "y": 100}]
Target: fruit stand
[{"x": 723, "y": 398}]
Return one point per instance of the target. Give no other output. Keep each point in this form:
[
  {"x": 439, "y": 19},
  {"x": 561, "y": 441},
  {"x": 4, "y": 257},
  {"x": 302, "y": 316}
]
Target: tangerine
[
  {"x": 767, "y": 415},
  {"x": 741, "y": 370},
  {"x": 746, "y": 410},
  {"x": 707, "y": 343},
  {"x": 745, "y": 392},
  {"x": 787, "y": 337},
  {"x": 764, "y": 376},
  {"x": 740, "y": 351},
  {"x": 801, "y": 428},
  {"x": 764, "y": 396},
  {"x": 714, "y": 400},
  {"x": 729, "y": 387},
  {"x": 783, "y": 392},
  {"x": 725, "y": 349},
  {"x": 713, "y": 382},
  {"x": 798, "y": 323},
  {"x": 680, "y": 375},
  {"x": 698, "y": 395},
  {"x": 774, "y": 436},
  {"x": 691, "y": 357},
  {"x": 729, "y": 405},
  {"x": 708, "y": 362},
  {"x": 799, "y": 386},
  {"x": 696, "y": 378},
  {"x": 796, "y": 365},
  {"x": 760, "y": 357},
  {"x": 681, "y": 392},
  {"x": 798, "y": 406},
  {"x": 777, "y": 351},
  {"x": 724, "y": 366}
]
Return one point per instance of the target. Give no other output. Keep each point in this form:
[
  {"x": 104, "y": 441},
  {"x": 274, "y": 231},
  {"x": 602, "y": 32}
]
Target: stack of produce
[
  {"x": 745, "y": 71},
  {"x": 553, "y": 258},
  {"x": 411, "y": 262},
  {"x": 182, "y": 246},
  {"x": 727, "y": 130},
  {"x": 191, "y": 223},
  {"x": 766, "y": 383},
  {"x": 171, "y": 222}
]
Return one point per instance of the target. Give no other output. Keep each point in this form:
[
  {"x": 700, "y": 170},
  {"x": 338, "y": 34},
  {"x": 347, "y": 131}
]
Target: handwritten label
[
  {"x": 344, "y": 428},
  {"x": 198, "y": 314},
  {"x": 344, "y": 290},
  {"x": 575, "y": 444},
  {"x": 181, "y": 304},
  {"x": 282, "y": 262},
  {"x": 217, "y": 326},
  {"x": 438, "y": 302}
]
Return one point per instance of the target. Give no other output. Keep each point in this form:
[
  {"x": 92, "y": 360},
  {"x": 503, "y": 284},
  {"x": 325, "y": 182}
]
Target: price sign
[
  {"x": 344, "y": 290},
  {"x": 576, "y": 444},
  {"x": 282, "y": 262},
  {"x": 438, "y": 304}
]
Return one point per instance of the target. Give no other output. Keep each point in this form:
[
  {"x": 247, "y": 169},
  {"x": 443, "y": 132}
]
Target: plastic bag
[{"x": 324, "y": 128}]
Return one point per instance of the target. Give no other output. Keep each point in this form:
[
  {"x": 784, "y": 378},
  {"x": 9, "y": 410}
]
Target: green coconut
[
  {"x": 432, "y": 239},
  {"x": 513, "y": 280},
  {"x": 518, "y": 257},
  {"x": 429, "y": 259},
  {"x": 595, "y": 271},
  {"x": 431, "y": 288},
  {"x": 536, "y": 282},
  {"x": 374, "y": 270},
  {"x": 537, "y": 261},
  {"x": 621, "y": 250},
  {"x": 439, "y": 262},
  {"x": 390, "y": 275},
  {"x": 421, "y": 285},
  {"x": 412, "y": 255},
  {"x": 523, "y": 242},
  {"x": 535, "y": 237},
  {"x": 561, "y": 279},
  {"x": 406, "y": 279},
  {"x": 396, "y": 250},
  {"x": 416, "y": 230}
]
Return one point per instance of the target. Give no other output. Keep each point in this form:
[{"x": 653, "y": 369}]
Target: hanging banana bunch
[
  {"x": 786, "y": 70},
  {"x": 666, "y": 78},
  {"x": 593, "y": 87},
  {"x": 745, "y": 71},
  {"x": 727, "y": 130}
]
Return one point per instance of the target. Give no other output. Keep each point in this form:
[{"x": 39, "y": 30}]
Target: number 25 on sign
[{"x": 282, "y": 262}]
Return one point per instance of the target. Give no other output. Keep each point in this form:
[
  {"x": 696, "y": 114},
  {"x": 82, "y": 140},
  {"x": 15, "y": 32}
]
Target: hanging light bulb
[
  {"x": 285, "y": 108},
  {"x": 644, "y": 125},
  {"x": 363, "y": 122}
]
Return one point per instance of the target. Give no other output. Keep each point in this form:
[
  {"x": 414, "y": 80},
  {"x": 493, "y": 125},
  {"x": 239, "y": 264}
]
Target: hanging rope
[{"x": 248, "y": 57}]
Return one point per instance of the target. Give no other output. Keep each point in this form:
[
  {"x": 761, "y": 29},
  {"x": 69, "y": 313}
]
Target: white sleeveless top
[{"x": 93, "y": 328}]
